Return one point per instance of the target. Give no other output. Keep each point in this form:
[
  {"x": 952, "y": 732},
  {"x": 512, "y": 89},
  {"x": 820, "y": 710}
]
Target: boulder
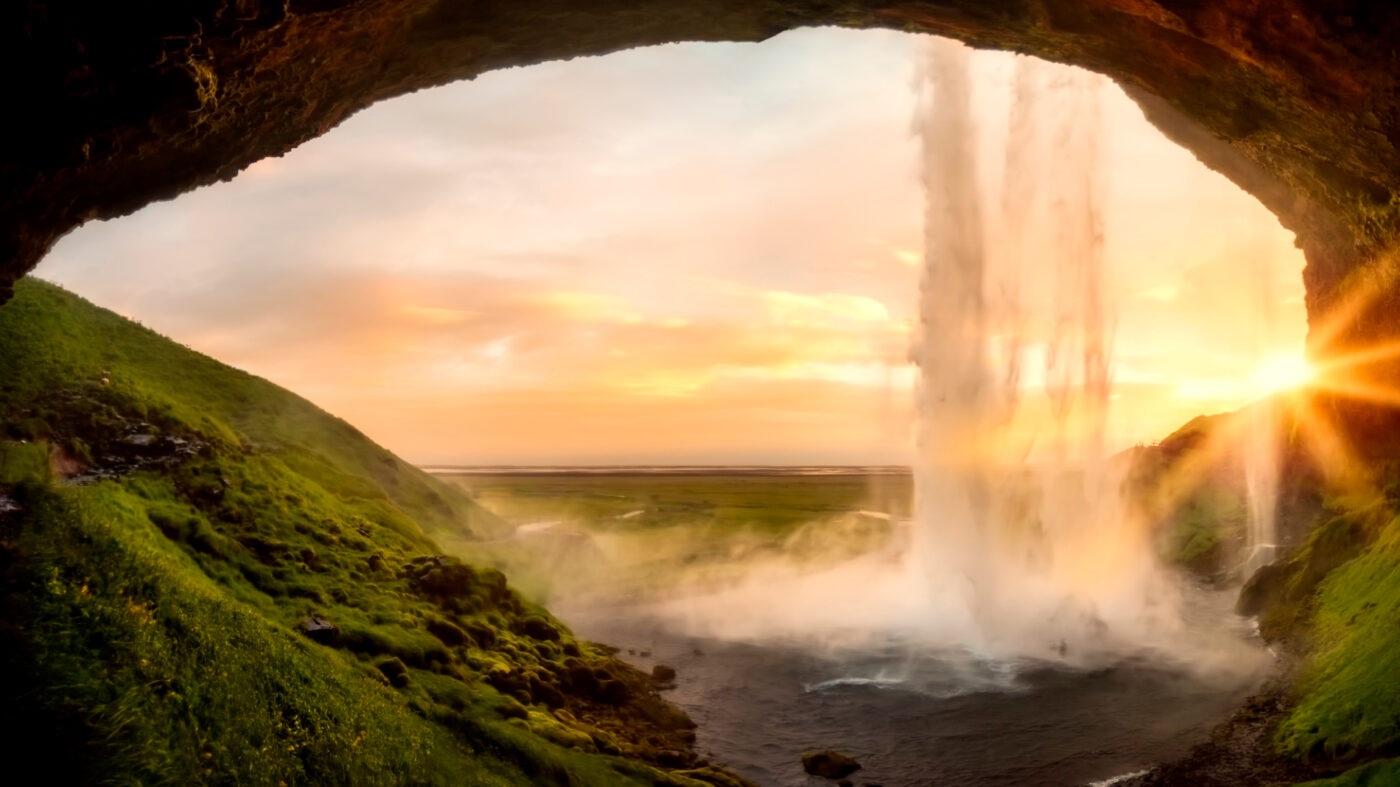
[
  {"x": 663, "y": 674},
  {"x": 829, "y": 764},
  {"x": 320, "y": 630}
]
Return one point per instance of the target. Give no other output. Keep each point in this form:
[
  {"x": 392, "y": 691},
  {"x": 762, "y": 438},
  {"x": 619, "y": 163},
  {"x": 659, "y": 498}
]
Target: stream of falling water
[
  {"x": 1019, "y": 629},
  {"x": 1021, "y": 549},
  {"x": 1261, "y": 450},
  {"x": 1040, "y": 553}
]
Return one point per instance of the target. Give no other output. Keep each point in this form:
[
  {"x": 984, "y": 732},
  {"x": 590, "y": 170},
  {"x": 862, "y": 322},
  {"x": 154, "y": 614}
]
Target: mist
[{"x": 1019, "y": 543}]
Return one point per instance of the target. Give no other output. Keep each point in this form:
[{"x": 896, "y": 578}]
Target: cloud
[{"x": 710, "y": 249}]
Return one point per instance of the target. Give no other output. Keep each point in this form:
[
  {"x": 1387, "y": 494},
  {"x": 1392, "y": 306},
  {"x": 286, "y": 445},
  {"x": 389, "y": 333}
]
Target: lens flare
[{"x": 1282, "y": 372}]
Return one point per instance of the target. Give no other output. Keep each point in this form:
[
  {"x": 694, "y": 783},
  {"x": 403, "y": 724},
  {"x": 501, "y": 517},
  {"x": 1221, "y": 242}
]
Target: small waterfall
[
  {"x": 1261, "y": 482},
  {"x": 1019, "y": 516},
  {"x": 1261, "y": 446}
]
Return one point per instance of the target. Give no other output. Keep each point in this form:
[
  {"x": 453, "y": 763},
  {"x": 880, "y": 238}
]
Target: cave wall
[{"x": 115, "y": 105}]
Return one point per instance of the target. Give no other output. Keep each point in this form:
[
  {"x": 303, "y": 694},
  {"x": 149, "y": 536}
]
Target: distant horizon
[{"x": 657, "y": 469}]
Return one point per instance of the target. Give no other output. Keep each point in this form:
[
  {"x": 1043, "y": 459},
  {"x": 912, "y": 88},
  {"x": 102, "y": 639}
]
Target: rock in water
[
  {"x": 829, "y": 764},
  {"x": 663, "y": 674}
]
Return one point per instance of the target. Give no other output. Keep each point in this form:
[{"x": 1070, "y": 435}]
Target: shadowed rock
[
  {"x": 320, "y": 630},
  {"x": 829, "y": 764}
]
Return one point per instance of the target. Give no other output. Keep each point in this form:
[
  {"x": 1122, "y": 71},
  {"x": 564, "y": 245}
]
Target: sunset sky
[{"x": 694, "y": 253}]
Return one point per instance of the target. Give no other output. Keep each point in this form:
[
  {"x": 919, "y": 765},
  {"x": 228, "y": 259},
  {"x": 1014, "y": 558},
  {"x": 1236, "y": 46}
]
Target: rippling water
[{"x": 924, "y": 718}]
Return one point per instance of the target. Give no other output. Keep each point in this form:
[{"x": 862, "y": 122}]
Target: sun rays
[
  {"x": 1281, "y": 372},
  {"x": 1325, "y": 410}
]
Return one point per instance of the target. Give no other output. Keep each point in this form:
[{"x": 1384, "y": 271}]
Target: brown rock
[
  {"x": 320, "y": 630},
  {"x": 829, "y": 764}
]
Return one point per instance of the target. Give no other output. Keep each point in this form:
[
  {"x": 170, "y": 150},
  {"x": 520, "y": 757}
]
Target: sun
[{"x": 1282, "y": 372}]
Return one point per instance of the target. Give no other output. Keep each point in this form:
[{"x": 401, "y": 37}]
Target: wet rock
[
  {"x": 829, "y": 764},
  {"x": 663, "y": 674},
  {"x": 320, "y": 630},
  {"x": 671, "y": 758}
]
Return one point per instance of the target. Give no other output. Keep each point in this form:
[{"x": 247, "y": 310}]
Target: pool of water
[{"x": 913, "y": 716}]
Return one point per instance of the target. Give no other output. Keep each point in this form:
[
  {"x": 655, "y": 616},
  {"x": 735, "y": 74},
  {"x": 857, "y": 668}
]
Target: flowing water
[
  {"x": 917, "y": 717},
  {"x": 1018, "y": 630},
  {"x": 1033, "y": 556}
]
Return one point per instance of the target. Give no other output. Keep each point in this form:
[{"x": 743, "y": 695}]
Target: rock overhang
[{"x": 1296, "y": 101}]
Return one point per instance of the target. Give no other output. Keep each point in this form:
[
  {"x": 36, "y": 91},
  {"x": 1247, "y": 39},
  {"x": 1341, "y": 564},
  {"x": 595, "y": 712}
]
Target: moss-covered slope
[
  {"x": 205, "y": 579},
  {"x": 1329, "y": 605}
]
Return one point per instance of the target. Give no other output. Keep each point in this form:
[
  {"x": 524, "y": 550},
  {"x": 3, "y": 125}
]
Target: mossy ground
[
  {"x": 1332, "y": 603},
  {"x": 152, "y": 604},
  {"x": 1348, "y": 703}
]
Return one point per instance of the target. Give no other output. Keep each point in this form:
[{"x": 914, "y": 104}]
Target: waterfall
[
  {"x": 1021, "y": 545},
  {"x": 1260, "y": 449},
  {"x": 1018, "y": 511}
]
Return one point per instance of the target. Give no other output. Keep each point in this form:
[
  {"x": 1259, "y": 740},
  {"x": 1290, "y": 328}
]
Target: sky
[{"x": 684, "y": 254}]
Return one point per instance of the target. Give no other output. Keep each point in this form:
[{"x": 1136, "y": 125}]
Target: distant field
[
  {"x": 768, "y": 503},
  {"x": 628, "y": 531}
]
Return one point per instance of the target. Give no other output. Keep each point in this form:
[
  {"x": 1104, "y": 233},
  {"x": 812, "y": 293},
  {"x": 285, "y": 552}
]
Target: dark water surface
[{"x": 918, "y": 718}]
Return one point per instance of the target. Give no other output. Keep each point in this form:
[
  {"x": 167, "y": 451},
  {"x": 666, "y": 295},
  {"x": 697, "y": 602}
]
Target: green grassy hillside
[
  {"x": 1331, "y": 604},
  {"x": 206, "y": 579}
]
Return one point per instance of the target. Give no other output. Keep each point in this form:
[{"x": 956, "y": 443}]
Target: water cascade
[
  {"x": 1019, "y": 518},
  {"x": 1260, "y": 450},
  {"x": 1021, "y": 545}
]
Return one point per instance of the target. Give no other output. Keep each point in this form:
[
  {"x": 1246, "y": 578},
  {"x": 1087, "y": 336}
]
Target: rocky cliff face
[{"x": 114, "y": 105}]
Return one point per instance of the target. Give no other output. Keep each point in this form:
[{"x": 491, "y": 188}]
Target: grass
[
  {"x": 152, "y": 609},
  {"x": 58, "y": 350},
  {"x": 1348, "y": 704},
  {"x": 1381, "y": 773},
  {"x": 1335, "y": 601},
  {"x": 150, "y": 617},
  {"x": 775, "y": 506},
  {"x": 649, "y": 533}
]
